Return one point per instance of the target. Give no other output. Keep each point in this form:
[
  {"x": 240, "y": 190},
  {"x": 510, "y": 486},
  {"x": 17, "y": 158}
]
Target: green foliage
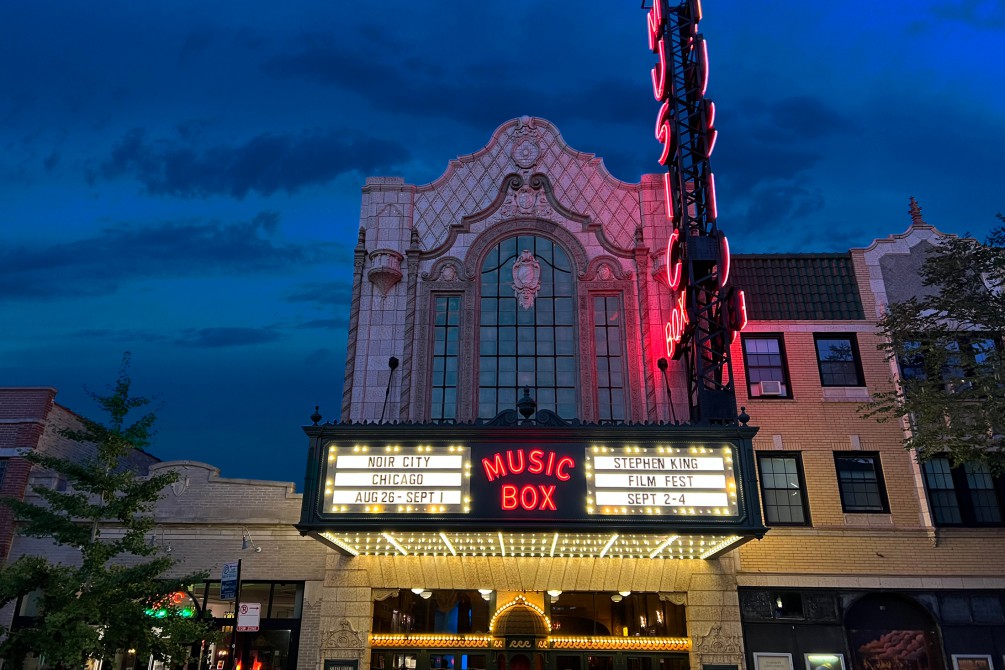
[
  {"x": 950, "y": 348},
  {"x": 96, "y": 605}
]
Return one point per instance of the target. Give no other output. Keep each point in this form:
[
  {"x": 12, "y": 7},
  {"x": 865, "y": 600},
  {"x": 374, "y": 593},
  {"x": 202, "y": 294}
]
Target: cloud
[
  {"x": 322, "y": 293},
  {"x": 784, "y": 202},
  {"x": 325, "y": 324},
  {"x": 980, "y": 14},
  {"x": 265, "y": 164},
  {"x": 765, "y": 142},
  {"x": 479, "y": 94},
  {"x": 215, "y": 338},
  {"x": 129, "y": 335},
  {"x": 99, "y": 264}
]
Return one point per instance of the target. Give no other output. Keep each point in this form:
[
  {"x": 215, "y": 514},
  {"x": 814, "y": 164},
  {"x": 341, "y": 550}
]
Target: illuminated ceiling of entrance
[{"x": 532, "y": 545}]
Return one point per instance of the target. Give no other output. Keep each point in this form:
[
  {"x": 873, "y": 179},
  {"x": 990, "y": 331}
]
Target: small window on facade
[
  {"x": 912, "y": 362},
  {"x": 983, "y": 496},
  {"x": 783, "y": 489},
  {"x": 942, "y": 492},
  {"x": 860, "y": 481},
  {"x": 764, "y": 361},
  {"x": 963, "y": 496},
  {"x": 788, "y": 605},
  {"x": 446, "y": 334},
  {"x": 837, "y": 356},
  {"x": 607, "y": 330}
]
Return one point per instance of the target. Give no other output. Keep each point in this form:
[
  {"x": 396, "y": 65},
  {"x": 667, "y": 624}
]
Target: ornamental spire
[{"x": 915, "y": 211}]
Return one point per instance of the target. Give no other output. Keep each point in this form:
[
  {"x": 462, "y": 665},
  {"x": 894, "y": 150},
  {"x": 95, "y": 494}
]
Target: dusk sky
[{"x": 182, "y": 180}]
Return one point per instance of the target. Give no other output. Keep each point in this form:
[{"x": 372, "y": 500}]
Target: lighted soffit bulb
[
  {"x": 616, "y": 598},
  {"x": 554, "y": 593},
  {"x": 485, "y": 592},
  {"x": 418, "y": 591},
  {"x": 625, "y": 594},
  {"x": 425, "y": 595}
]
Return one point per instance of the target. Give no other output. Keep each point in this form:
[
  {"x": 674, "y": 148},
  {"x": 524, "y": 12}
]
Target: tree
[
  {"x": 97, "y": 605},
  {"x": 949, "y": 344}
]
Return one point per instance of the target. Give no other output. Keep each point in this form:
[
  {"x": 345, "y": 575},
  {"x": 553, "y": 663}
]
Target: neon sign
[
  {"x": 696, "y": 77},
  {"x": 529, "y": 497}
]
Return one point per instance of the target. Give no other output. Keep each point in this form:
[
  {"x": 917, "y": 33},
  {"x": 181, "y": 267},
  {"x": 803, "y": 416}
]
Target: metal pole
[{"x": 233, "y": 631}]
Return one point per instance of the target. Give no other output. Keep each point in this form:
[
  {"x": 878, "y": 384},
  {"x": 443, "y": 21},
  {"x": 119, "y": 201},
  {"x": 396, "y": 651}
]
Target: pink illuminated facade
[{"x": 434, "y": 269}]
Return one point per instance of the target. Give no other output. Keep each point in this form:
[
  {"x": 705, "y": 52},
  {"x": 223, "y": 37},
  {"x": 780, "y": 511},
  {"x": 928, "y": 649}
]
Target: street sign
[
  {"x": 248, "y": 617},
  {"x": 228, "y": 581}
]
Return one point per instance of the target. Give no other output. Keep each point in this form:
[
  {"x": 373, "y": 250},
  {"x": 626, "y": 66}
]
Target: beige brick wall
[{"x": 710, "y": 588}]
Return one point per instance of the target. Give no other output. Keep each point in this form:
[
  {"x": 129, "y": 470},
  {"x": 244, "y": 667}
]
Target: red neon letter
[
  {"x": 664, "y": 132},
  {"x": 521, "y": 464},
  {"x": 713, "y": 211},
  {"x": 668, "y": 196},
  {"x": 724, "y": 268},
  {"x": 675, "y": 262},
  {"x": 550, "y": 467},
  {"x": 738, "y": 313},
  {"x": 654, "y": 19},
  {"x": 704, "y": 66},
  {"x": 508, "y": 496},
  {"x": 560, "y": 473},
  {"x": 494, "y": 468},
  {"x": 659, "y": 73},
  {"x": 536, "y": 466},
  {"x": 674, "y": 329},
  {"x": 547, "y": 499},
  {"x": 528, "y": 502}
]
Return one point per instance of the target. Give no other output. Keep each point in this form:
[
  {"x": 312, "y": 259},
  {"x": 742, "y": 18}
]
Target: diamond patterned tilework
[
  {"x": 798, "y": 286},
  {"x": 580, "y": 181}
]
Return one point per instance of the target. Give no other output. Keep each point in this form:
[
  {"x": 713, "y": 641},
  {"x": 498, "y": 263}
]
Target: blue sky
[{"x": 182, "y": 180}]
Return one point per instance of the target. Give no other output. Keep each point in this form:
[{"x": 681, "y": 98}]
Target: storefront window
[
  {"x": 441, "y": 612},
  {"x": 286, "y": 601},
  {"x": 637, "y": 614}
]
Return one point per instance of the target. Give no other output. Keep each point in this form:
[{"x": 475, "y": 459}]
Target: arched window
[{"x": 530, "y": 341}]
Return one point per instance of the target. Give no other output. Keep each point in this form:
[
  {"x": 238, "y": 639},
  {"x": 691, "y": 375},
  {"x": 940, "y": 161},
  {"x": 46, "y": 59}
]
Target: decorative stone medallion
[
  {"x": 525, "y": 152},
  {"x": 526, "y": 279}
]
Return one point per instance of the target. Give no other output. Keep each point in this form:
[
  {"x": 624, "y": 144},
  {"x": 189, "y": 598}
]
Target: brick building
[
  {"x": 865, "y": 549},
  {"x": 869, "y": 560},
  {"x": 855, "y": 570}
]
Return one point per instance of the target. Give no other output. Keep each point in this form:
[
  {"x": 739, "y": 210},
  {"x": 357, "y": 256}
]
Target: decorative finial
[
  {"x": 413, "y": 239},
  {"x": 526, "y": 405},
  {"x": 744, "y": 417},
  {"x": 316, "y": 417},
  {"x": 915, "y": 210}
]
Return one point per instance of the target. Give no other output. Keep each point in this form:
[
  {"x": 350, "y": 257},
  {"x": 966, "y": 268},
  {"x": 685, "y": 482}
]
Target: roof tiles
[{"x": 794, "y": 287}]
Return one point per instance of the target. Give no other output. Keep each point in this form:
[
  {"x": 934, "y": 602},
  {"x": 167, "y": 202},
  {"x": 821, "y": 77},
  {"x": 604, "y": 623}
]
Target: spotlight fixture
[
  {"x": 425, "y": 595},
  {"x": 617, "y": 598},
  {"x": 247, "y": 542}
]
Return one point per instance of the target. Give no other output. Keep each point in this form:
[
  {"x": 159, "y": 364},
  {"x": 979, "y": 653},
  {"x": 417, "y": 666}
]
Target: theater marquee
[{"x": 521, "y": 486}]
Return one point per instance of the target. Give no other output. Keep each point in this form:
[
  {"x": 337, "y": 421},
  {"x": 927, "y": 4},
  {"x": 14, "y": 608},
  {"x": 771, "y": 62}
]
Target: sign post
[{"x": 230, "y": 578}]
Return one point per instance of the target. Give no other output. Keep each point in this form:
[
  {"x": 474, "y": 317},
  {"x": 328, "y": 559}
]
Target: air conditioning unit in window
[{"x": 771, "y": 387}]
